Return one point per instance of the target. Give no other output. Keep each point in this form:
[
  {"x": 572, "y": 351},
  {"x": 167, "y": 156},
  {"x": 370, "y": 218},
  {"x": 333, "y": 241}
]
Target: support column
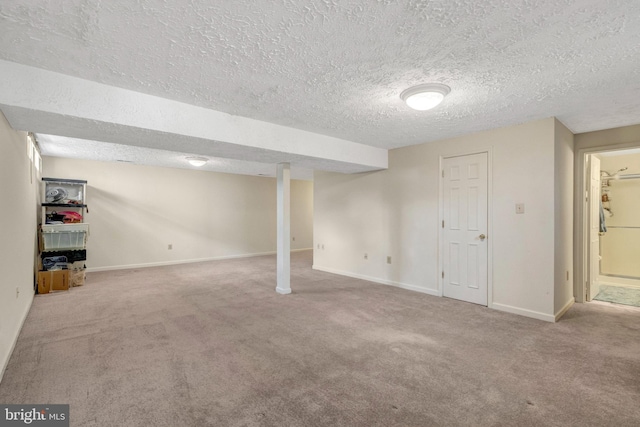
[{"x": 284, "y": 229}]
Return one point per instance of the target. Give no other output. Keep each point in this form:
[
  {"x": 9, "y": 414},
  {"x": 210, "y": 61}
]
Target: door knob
[{"x": 482, "y": 237}]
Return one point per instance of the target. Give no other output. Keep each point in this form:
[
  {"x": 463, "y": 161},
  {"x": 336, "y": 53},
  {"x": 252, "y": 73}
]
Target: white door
[
  {"x": 594, "y": 227},
  {"x": 465, "y": 261}
]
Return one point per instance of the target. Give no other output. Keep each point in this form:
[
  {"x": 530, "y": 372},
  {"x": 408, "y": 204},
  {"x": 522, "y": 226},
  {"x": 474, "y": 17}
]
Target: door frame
[
  {"x": 581, "y": 219},
  {"x": 592, "y": 202},
  {"x": 439, "y": 279}
]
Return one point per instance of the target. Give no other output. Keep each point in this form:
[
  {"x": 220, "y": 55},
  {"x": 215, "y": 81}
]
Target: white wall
[
  {"x": 135, "y": 212},
  {"x": 563, "y": 199},
  {"x": 620, "y": 247},
  {"x": 395, "y": 212},
  {"x": 351, "y": 218},
  {"x": 18, "y": 245}
]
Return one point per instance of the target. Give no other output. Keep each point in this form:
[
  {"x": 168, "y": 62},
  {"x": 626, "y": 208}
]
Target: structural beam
[
  {"x": 46, "y": 102},
  {"x": 284, "y": 229}
]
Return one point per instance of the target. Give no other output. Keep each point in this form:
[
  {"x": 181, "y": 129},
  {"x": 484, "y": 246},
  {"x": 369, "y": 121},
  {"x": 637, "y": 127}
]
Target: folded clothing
[{"x": 72, "y": 256}]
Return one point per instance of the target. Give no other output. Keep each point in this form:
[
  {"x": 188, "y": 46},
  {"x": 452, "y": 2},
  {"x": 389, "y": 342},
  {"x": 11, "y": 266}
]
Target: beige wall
[
  {"x": 395, "y": 212},
  {"x": 18, "y": 245},
  {"x": 621, "y": 135},
  {"x": 135, "y": 212},
  {"x": 620, "y": 247},
  {"x": 563, "y": 199},
  {"x": 301, "y": 214}
]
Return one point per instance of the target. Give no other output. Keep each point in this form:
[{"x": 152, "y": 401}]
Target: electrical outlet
[
  {"x": 366, "y": 256},
  {"x": 17, "y": 292},
  {"x": 388, "y": 260},
  {"x": 519, "y": 208},
  {"x": 170, "y": 246}
]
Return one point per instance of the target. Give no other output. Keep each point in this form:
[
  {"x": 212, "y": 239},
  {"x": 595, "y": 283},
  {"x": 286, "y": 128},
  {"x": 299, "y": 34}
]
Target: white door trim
[
  {"x": 439, "y": 280},
  {"x": 581, "y": 219},
  {"x": 594, "y": 204}
]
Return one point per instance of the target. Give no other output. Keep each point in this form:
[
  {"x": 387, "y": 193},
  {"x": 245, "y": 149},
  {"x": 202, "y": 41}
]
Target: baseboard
[
  {"x": 433, "y": 292},
  {"x": 5, "y": 362},
  {"x": 564, "y": 309},
  {"x": 184, "y": 261},
  {"x": 497, "y": 306},
  {"x": 619, "y": 281},
  {"x": 523, "y": 312}
]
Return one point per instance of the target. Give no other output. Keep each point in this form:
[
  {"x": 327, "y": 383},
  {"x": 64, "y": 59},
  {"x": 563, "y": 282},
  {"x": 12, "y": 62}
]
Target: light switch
[{"x": 519, "y": 208}]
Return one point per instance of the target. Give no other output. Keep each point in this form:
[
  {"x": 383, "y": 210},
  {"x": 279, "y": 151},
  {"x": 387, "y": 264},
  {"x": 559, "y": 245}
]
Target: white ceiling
[{"x": 336, "y": 68}]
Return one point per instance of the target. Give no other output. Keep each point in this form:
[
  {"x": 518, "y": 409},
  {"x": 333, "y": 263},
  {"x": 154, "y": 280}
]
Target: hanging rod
[
  {"x": 629, "y": 176},
  {"x": 621, "y": 226}
]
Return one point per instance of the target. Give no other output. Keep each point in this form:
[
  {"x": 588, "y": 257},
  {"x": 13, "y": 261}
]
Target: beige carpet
[{"x": 213, "y": 344}]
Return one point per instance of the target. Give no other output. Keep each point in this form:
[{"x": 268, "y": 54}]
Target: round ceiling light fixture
[
  {"x": 197, "y": 161},
  {"x": 426, "y": 96}
]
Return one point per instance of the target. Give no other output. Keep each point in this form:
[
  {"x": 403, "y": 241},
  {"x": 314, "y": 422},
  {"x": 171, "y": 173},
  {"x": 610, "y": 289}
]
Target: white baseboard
[
  {"x": 564, "y": 309},
  {"x": 524, "y": 312},
  {"x": 433, "y": 292},
  {"x": 5, "y": 362},
  {"x": 183, "y": 261},
  {"x": 619, "y": 281}
]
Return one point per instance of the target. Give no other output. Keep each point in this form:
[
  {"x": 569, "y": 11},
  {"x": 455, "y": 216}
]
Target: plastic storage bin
[
  {"x": 64, "y": 236},
  {"x": 63, "y": 191}
]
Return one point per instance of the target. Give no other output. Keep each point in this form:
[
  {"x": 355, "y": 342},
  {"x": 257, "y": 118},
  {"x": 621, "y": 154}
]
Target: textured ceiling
[{"x": 337, "y": 67}]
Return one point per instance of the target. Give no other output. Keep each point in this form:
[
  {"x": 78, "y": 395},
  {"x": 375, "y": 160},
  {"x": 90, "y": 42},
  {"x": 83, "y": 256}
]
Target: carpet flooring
[
  {"x": 213, "y": 344},
  {"x": 619, "y": 295}
]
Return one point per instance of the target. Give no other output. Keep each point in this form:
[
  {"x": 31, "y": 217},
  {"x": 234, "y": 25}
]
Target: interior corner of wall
[{"x": 561, "y": 312}]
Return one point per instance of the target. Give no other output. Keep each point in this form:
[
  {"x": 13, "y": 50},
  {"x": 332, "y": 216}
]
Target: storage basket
[{"x": 57, "y": 237}]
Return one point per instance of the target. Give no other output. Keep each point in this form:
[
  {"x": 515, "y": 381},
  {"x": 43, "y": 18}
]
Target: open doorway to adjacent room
[{"x": 612, "y": 226}]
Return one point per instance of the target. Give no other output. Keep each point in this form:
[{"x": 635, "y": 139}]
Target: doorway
[
  {"x": 613, "y": 200},
  {"x": 464, "y": 227}
]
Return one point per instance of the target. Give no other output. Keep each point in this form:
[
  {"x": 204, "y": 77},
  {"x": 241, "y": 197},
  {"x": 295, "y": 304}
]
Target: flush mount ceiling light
[
  {"x": 197, "y": 161},
  {"x": 426, "y": 96}
]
